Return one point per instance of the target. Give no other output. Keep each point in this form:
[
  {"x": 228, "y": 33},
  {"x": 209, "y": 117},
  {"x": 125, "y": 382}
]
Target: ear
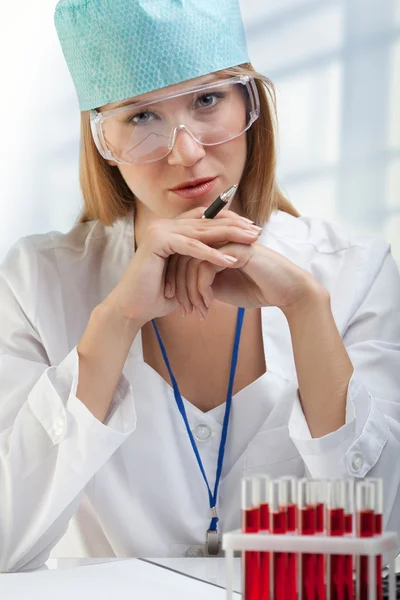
[{"x": 112, "y": 163}]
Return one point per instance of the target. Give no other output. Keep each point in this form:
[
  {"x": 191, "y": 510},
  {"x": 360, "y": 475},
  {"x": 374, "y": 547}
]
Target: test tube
[
  {"x": 307, "y": 526},
  {"x": 320, "y": 487},
  {"x": 278, "y": 525},
  {"x": 265, "y": 563},
  {"x": 335, "y": 527},
  {"x": 348, "y": 531},
  {"x": 250, "y": 524},
  {"x": 290, "y": 492},
  {"x": 378, "y": 510},
  {"x": 365, "y": 504},
  {"x": 349, "y": 507}
]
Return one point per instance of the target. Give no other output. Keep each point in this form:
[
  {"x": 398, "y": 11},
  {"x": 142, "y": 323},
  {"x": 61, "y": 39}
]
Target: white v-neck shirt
[{"x": 73, "y": 486}]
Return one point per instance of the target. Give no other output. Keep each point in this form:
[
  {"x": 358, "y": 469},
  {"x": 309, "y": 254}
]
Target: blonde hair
[{"x": 107, "y": 197}]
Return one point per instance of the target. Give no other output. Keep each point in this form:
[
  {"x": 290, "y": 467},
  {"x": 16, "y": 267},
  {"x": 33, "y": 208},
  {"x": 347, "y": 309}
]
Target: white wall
[
  {"x": 336, "y": 66},
  {"x": 39, "y": 189}
]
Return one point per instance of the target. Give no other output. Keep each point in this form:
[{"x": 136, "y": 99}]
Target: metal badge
[{"x": 212, "y": 543}]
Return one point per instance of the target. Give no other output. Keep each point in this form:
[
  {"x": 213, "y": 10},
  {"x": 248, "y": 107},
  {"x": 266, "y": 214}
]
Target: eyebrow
[{"x": 131, "y": 101}]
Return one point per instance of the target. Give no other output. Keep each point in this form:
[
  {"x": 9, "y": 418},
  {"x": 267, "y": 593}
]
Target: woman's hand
[
  {"x": 139, "y": 296},
  {"x": 260, "y": 277}
]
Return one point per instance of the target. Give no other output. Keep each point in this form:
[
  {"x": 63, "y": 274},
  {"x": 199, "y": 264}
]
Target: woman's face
[{"x": 154, "y": 184}]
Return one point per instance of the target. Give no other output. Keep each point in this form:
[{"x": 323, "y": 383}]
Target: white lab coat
[{"x": 131, "y": 486}]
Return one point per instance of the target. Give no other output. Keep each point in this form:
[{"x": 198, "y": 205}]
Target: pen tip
[{"x": 229, "y": 193}]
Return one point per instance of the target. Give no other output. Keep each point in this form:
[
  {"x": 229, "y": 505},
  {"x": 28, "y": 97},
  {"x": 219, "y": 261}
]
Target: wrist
[
  {"x": 111, "y": 317},
  {"x": 312, "y": 296}
]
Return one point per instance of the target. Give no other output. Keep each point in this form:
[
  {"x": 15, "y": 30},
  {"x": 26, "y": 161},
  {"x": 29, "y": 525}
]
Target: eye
[
  {"x": 142, "y": 118},
  {"x": 211, "y": 99}
]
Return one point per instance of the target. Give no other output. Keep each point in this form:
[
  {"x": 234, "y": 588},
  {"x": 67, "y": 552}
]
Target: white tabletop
[
  {"x": 172, "y": 579},
  {"x": 196, "y": 572},
  {"x": 210, "y": 570}
]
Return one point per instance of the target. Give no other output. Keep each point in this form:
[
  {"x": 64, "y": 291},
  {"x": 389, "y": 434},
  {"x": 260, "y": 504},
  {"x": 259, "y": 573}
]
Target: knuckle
[
  {"x": 215, "y": 253},
  {"x": 195, "y": 244},
  {"x": 192, "y": 265},
  {"x": 203, "y": 270},
  {"x": 237, "y": 223},
  {"x": 203, "y": 277},
  {"x": 154, "y": 231}
]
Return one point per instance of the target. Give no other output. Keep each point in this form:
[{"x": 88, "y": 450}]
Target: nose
[{"x": 185, "y": 151}]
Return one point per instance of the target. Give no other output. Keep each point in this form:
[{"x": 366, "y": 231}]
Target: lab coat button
[
  {"x": 357, "y": 462},
  {"x": 194, "y": 551},
  {"x": 59, "y": 426},
  {"x": 202, "y": 433}
]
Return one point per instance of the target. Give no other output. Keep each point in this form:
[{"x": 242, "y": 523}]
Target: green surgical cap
[{"x": 116, "y": 49}]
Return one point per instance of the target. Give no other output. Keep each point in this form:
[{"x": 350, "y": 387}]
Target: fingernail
[
  {"x": 255, "y": 228},
  {"x": 231, "y": 259},
  {"x": 199, "y": 314},
  {"x": 206, "y": 302},
  {"x": 183, "y": 311},
  {"x": 168, "y": 290}
]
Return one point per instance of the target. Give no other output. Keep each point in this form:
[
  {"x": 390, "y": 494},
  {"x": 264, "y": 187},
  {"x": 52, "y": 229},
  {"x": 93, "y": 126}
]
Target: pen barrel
[
  {"x": 214, "y": 209},
  {"x": 218, "y": 204}
]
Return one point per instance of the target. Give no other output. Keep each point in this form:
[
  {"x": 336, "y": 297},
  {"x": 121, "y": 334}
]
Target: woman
[{"x": 121, "y": 370}]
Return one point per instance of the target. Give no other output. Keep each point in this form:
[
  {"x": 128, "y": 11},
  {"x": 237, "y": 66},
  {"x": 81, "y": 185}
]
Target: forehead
[{"x": 171, "y": 89}]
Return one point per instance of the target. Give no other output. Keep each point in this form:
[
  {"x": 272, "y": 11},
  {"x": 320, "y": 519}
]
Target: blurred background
[{"x": 336, "y": 67}]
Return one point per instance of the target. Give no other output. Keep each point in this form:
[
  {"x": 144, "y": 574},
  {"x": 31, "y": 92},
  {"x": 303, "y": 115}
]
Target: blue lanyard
[{"x": 181, "y": 408}]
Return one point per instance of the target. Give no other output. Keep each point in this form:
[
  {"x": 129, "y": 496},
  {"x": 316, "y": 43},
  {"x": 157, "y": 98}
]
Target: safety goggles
[{"x": 144, "y": 132}]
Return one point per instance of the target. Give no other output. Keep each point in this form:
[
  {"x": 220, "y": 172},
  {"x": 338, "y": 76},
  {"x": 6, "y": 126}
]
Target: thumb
[{"x": 206, "y": 277}]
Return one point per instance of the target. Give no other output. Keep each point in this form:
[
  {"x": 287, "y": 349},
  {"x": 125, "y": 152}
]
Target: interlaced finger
[
  {"x": 205, "y": 279},
  {"x": 170, "y": 286},
  {"x": 194, "y": 294},
  {"x": 224, "y": 230},
  {"x": 185, "y": 246},
  {"x": 181, "y": 289}
]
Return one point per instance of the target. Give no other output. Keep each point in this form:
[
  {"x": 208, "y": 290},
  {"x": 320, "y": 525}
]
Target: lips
[
  {"x": 193, "y": 183},
  {"x": 201, "y": 187}
]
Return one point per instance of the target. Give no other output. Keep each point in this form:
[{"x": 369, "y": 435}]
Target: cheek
[
  {"x": 235, "y": 153},
  {"x": 140, "y": 179}
]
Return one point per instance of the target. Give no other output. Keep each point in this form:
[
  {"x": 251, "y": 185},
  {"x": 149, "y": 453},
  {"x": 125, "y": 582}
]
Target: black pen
[{"x": 220, "y": 203}]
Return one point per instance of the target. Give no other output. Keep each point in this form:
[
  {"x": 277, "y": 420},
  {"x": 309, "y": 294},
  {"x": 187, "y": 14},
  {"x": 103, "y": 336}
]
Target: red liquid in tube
[
  {"x": 279, "y": 559},
  {"x": 378, "y": 531},
  {"x": 264, "y": 517},
  {"x": 291, "y": 591},
  {"x": 251, "y": 524},
  {"x": 320, "y": 558},
  {"x": 291, "y": 511},
  {"x": 348, "y": 562},
  {"x": 264, "y": 556},
  {"x": 348, "y": 524},
  {"x": 308, "y": 561},
  {"x": 336, "y": 528},
  {"x": 320, "y": 520},
  {"x": 366, "y": 528}
]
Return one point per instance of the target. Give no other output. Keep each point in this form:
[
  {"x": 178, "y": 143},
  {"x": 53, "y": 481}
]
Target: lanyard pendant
[{"x": 212, "y": 543}]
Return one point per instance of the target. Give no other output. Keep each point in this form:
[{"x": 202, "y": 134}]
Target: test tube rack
[{"x": 386, "y": 544}]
